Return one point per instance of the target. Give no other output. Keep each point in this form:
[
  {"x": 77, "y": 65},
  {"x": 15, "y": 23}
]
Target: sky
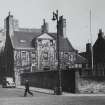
[{"x": 30, "y": 14}]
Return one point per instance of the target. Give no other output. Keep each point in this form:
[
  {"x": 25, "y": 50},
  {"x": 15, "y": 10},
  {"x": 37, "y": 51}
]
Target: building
[
  {"x": 87, "y": 55},
  {"x": 98, "y": 55},
  {"x": 31, "y": 50}
]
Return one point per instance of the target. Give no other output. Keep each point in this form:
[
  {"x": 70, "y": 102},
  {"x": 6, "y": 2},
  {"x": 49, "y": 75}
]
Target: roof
[
  {"x": 99, "y": 49},
  {"x": 100, "y": 42},
  {"x": 80, "y": 59},
  {"x": 30, "y": 30},
  {"x": 23, "y": 39},
  {"x": 64, "y": 43}
]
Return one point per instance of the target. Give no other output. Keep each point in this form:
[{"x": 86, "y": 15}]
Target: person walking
[{"x": 27, "y": 89}]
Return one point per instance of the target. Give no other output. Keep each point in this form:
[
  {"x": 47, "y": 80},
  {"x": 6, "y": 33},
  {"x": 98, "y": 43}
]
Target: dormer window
[{"x": 22, "y": 41}]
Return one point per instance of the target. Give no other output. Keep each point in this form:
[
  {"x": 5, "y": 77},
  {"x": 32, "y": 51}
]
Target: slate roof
[
  {"x": 23, "y": 39},
  {"x": 65, "y": 45},
  {"x": 80, "y": 59}
]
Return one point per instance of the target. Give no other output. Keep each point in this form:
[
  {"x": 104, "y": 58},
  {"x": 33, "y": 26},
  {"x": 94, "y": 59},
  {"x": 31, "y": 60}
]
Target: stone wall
[{"x": 92, "y": 84}]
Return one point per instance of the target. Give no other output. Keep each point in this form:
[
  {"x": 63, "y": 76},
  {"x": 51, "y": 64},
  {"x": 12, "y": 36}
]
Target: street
[
  {"x": 14, "y": 96},
  {"x": 14, "y": 92}
]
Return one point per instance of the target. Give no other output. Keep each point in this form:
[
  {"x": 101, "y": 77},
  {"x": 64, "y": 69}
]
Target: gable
[
  {"x": 45, "y": 36},
  {"x": 99, "y": 49}
]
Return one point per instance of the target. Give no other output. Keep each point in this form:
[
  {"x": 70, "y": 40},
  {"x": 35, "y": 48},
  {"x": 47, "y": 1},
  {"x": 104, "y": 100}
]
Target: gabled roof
[
  {"x": 45, "y": 36},
  {"x": 99, "y": 49},
  {"x": 22, "y": 39},
  {"x": 100, "y": 42}
]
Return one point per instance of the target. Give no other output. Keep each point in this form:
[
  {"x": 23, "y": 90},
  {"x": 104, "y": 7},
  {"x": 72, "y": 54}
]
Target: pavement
[
  {"x": 41, "y": 90},
  {"x": 49, "y": 91}
]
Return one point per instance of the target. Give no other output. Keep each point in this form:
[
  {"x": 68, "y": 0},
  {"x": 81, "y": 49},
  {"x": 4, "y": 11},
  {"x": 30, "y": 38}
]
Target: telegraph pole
[{"x": 92, "y": 65}]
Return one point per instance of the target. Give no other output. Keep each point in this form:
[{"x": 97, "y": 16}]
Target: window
[
  {"x": 17, "y": 58},
  {"x": 51, "y": 42},
  {"x": 33, "y": 55},
  {"x": 45, "y": 55},
  {"x": 80, "y": 65},
  {"x": 25, "y": 58},
  {"x": 40, "y": 42},
  {"x": 76, "y": 65},
  {"x": 71, "y": 57}
]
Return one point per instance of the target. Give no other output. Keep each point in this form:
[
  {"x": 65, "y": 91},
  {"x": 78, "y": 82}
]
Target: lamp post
[{"x": 59, "y": 87}]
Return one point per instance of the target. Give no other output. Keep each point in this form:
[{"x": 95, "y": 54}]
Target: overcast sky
[{"x": 30, "y": 13}]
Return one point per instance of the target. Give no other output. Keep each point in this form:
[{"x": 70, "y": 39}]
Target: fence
[{"x": 49, "y": 79}]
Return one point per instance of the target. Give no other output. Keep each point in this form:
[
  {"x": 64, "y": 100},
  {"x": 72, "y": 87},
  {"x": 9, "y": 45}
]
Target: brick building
[{"x": 31, "y": 50}]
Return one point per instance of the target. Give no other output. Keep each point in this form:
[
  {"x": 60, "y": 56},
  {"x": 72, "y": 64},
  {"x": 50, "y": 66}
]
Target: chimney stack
[
  {"x": 44, "y": 27},
  {"x": 88, "y": 47},
  {"x": 62, "y": 26},
  {"x": 100, "y": 34}
]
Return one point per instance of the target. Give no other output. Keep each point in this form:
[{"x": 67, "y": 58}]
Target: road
[
  {"x": 9, "y": 96},
  {"x": 14, "y": 92}
]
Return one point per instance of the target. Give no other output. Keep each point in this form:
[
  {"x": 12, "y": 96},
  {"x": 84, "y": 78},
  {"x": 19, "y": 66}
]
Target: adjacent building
[{"x": 98, "y": 50}]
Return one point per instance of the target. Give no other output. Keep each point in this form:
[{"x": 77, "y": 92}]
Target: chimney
[
  {"x": 10, "y": 24},
  {"x": 62, "y": 26},
  {"x": 44, "y": 27},
  {"x": 100, "y": 34},
  {"x": 88, "y": 47}
]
